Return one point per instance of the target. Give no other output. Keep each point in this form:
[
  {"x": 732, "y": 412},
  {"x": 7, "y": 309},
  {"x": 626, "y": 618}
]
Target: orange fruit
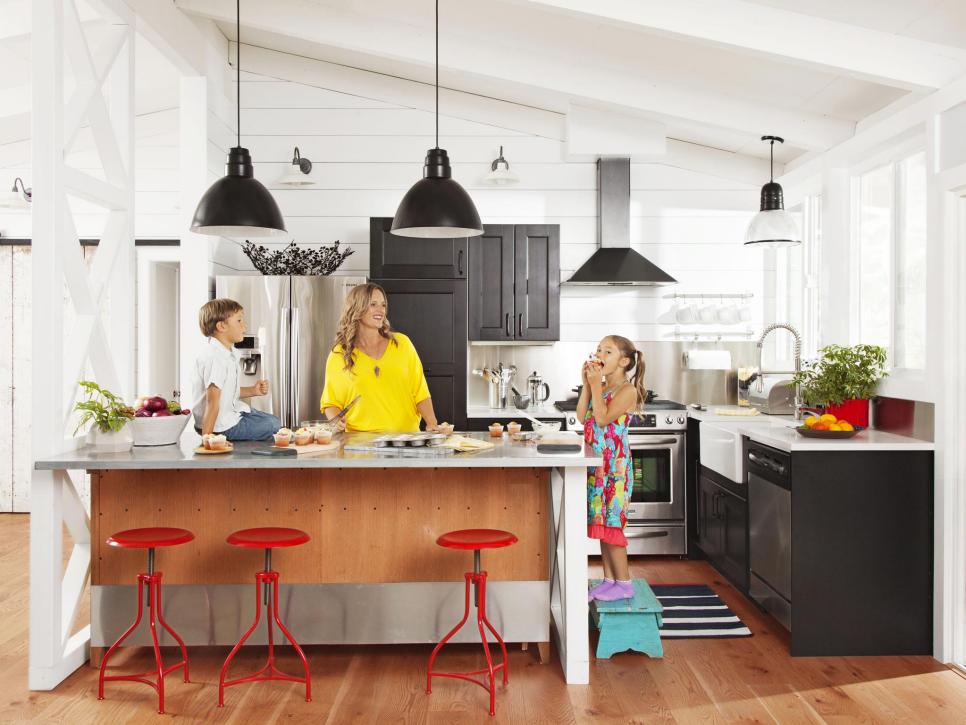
[
  {"x": 829, "y": 418},
  {"x": 845, "y": 425},
  {"x": 834, "y": 426},
  {"x": 810, "y": 421},
  {"x": 821, "y": 425}
]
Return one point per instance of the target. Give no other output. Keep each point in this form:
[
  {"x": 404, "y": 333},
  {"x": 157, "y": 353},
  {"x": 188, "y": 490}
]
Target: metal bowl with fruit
[
  {"x": 828, "y": 426},
  {"x": 158, "y": 422}
]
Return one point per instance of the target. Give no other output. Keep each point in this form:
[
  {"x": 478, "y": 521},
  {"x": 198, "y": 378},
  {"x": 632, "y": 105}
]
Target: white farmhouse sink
[{"x": 720, "y": 445}]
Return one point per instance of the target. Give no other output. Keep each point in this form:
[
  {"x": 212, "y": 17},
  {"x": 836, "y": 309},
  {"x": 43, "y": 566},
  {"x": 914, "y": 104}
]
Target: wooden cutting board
[{"x": 311, "y": 448}]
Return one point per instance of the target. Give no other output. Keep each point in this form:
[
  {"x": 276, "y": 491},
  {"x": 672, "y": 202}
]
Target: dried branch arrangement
[{"x": 293, "y": 259}]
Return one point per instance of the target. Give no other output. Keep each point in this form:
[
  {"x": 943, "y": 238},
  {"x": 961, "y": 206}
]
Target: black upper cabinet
[
  {"x": 491, "y": 288},
  {"x": 433, "y": 314},
  {"x": 394, "y": 257},
  {"x": 514, "y": 283}
]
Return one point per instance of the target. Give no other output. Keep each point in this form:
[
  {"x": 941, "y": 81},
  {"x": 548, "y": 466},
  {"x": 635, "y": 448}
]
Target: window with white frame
[
  {"x": 796, "y": 280},
  {"x": 889, "y": 229}
]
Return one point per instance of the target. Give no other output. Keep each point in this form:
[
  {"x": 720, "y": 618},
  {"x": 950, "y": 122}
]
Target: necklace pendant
[{"x": 376, "y": 370}]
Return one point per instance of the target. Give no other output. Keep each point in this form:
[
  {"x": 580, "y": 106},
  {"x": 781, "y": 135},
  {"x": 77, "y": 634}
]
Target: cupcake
[
  {"x": 323, "y": 436},
  {"x": 285, "y": 432},
  {"x": 216, "y": 442},
  {"x": 303, "y": 437},
  {"x": 283, "y": 438},
  {"x": 496, "y": 430},
  {"x": 445, "y": 428},
  {"x": 513, "y": 427}
]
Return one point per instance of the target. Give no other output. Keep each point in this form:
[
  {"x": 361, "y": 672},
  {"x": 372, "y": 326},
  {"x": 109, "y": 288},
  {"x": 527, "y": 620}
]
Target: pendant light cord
[
  {"x": 437, "y": 73},
  {"x": 771, "y": 164},
  {"x": 238, "y": 68}
]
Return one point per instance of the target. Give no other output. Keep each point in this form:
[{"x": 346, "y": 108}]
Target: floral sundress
[{"x": 609, "y": 485}]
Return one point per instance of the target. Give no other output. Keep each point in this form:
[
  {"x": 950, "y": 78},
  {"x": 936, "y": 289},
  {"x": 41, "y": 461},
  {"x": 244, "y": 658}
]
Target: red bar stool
[
  {"x": 150, "y": 539},
  {"x": 475, "y": 539},
  {"x": 266, "y": 538}
]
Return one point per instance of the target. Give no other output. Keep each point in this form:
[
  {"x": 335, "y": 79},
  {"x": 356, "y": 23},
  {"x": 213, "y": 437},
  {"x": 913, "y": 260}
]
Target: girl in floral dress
[{"x": 613, "y": 387}]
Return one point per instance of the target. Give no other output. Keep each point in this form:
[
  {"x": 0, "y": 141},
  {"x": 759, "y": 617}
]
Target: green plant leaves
[
  {"x": 842, "y": 373},
  {"x": 106, "y": 409}
]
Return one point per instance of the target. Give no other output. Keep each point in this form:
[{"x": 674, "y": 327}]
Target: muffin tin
[{"x": 409, "y": 440}]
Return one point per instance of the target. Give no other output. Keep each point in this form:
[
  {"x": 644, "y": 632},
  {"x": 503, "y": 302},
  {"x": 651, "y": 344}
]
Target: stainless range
[{"x": 656, "y": 515}]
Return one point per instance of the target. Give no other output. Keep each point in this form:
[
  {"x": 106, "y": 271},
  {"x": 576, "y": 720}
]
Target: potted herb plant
[
  {"x": 843, "y": 379},
  {"x": 110, "y": 416}
]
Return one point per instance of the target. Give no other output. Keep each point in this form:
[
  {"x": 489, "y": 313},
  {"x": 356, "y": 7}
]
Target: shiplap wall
[{"x": 367, "y": 153}]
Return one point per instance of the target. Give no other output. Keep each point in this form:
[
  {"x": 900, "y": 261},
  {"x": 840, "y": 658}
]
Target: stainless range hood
[{"x": 615, "y": 263}]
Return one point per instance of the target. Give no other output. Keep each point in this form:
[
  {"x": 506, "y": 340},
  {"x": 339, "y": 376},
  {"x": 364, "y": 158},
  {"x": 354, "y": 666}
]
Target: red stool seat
[
  {"x": 150, "y": 538},
  {"x": 476, "y": 539},
  {"x": 268, "y": 537}
]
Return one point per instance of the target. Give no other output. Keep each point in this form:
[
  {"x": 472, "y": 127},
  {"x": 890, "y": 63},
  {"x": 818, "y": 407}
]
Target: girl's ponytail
[{"x": 639, "y": 377}]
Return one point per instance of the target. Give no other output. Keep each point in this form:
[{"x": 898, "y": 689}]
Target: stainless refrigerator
[{"x": 291, "y": 327}]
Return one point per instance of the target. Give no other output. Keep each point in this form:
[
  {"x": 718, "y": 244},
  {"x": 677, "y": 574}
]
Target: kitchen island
[{"x": 372, "y": 572}]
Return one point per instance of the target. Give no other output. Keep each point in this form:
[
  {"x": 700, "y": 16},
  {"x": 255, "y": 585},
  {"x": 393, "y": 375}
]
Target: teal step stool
[{"x": 629, "y": 623}]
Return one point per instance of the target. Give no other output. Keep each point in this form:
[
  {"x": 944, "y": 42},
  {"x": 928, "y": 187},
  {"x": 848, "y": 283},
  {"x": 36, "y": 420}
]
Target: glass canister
[{"x": 746, "y": 376}]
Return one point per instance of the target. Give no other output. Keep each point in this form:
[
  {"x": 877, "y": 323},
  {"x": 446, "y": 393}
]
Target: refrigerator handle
[
  {"x": 286, "y": 366},
  {"x": 294, "y": 369}
]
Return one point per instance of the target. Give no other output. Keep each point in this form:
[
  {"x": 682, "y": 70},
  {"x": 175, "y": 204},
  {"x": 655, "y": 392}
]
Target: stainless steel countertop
[{"x": 506, "y": 454}]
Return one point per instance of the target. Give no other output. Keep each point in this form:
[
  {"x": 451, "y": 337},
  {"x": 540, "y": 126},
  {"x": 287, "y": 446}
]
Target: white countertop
[
  {"x": 778, "y": 432},
  {"x": 544, "y": 411}
]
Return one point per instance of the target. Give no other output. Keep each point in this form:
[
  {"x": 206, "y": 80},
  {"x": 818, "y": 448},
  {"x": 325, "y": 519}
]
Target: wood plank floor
[{"x": 737, "y": 680}]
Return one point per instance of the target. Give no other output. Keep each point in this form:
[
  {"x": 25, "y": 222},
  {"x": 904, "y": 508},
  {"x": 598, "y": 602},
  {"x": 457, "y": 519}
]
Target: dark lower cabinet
[
  {"x": 432, "y": 312},
  {"x": 722, "y": 517},
  {"x": 395, "y": 257}
]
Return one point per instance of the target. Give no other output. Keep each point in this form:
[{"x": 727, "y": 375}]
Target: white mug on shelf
[
  {"x": 728, "y": 315},
  {"x": 744, "y": 313},
  {"x": 686, "y": 313},
  {"x": 708, "y": 313}
]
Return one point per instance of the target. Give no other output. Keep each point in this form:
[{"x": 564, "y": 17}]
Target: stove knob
[
  {"x": 681, "y": 419},
  {"x": 669, "y": 420}
]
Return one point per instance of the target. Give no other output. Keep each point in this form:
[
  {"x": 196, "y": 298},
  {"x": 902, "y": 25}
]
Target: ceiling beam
[
  {"x": 805, "y": 40},
  {"x": 545, "y": 68}
]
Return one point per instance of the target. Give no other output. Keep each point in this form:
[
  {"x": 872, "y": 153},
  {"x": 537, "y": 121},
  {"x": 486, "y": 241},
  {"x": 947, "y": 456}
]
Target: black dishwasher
[{"x": 768, "y": 475}]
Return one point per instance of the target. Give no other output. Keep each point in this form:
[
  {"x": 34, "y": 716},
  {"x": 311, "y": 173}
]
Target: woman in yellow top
[{"x": 369, "y": 359}]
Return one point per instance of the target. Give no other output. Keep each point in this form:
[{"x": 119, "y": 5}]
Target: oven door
[{"x": 657, "y": 477}]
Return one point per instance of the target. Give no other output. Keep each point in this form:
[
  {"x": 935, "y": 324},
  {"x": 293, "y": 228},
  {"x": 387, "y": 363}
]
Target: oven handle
[
  {"x": 649, "y": 442},
  {"x": 646, "y": 534}
]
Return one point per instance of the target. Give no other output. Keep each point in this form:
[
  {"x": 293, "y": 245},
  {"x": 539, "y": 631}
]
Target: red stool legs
[
  {"x": 478, "y": 579},
  {"x": 263, "y": 580},
  {"x": 151, "y": 580}
]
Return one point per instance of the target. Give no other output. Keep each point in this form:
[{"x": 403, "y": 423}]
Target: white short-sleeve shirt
[{"x": 217, "y": 365}]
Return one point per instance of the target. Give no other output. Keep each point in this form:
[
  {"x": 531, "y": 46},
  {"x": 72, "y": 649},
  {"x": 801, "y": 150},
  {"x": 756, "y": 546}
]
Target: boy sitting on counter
[{"x": 218, "y": 405}]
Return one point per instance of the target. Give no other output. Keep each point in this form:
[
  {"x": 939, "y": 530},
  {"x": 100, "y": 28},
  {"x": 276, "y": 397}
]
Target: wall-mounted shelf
[
  {"x": 709, "y": 296},
  {"x": 717, "y": 335}
]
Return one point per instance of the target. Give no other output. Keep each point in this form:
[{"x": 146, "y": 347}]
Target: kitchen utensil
[
  {"x": 273, "y": 451},
  {"x": 519, "y": 400},
  {"x": 538, "y": 390},
  {"x": 345, "y": 410}
]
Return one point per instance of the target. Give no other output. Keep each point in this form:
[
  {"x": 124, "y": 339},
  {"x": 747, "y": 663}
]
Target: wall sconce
[
  {"x": 298, "y": 173},
  {"x": 17, "y": 199},
  {"x": 500, "y": 173}
]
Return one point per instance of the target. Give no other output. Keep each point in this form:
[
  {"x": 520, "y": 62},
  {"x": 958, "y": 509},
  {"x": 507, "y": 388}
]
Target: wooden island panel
[{"x": 367, "y": 525}]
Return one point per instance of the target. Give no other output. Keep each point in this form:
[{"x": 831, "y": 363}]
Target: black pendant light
[
  {"x": 772, "y": 226},
  {"x": 238, "y": 205},
  {"x": 436, "y": 205}
]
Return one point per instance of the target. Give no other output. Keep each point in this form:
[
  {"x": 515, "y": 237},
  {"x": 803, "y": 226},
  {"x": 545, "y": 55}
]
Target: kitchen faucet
[{"x": 798, "y": 363}]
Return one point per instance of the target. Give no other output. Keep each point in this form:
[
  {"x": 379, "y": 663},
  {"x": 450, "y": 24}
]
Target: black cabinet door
[
  {"x": 709, "y": 526},
  {"x": 393, "y": 257},
  {"x": 537, "y": 282},
  {"x": 491, "y": 313},
  {"x": 433, "y": 314},
  {"x": 733, "y": 557}
]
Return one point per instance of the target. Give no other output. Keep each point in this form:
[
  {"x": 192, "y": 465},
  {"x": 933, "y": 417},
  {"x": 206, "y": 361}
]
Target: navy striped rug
[{"x": 694, "y": 610}]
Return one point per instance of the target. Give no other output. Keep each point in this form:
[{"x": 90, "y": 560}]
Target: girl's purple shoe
[
  {"x": 600, "y": 588},
  {"x": 620, "y": 590}
]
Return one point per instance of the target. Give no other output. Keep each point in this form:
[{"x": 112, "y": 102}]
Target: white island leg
[{"x": 568, "y": 571}]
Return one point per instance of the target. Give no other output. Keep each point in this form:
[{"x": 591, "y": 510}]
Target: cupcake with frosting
[{"x": 303, "y": 436}]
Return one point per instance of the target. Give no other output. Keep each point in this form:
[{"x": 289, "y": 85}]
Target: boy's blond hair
[{"x": 211, "y": 313}]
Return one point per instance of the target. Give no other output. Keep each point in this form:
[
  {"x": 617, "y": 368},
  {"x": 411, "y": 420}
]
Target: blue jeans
[{"x": 254, "y": 426}]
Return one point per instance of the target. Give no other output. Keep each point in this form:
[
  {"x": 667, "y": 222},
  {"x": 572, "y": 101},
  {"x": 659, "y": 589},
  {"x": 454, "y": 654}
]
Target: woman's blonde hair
[
  {"x": 356, "y": 305},
  {"x": 628, "y": 350}
]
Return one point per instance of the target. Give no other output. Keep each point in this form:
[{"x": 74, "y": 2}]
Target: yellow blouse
[{"x": 390, "y": 388}]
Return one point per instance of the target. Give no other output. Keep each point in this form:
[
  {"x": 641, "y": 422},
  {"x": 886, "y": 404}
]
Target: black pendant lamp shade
[
  {"x": 238, "y": 205},
  {"x": 436, "y": 206},
  {"x": 772, "y": 226}
]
